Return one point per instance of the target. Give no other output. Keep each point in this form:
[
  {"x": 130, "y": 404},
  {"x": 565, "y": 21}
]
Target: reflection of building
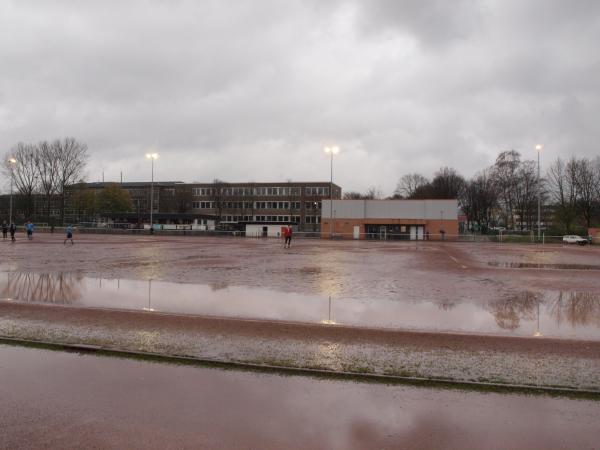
[{"x": 391, "y": 219}]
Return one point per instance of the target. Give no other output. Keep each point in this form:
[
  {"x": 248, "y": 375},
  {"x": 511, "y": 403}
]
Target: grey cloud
[{"x": 256, "y": 89}]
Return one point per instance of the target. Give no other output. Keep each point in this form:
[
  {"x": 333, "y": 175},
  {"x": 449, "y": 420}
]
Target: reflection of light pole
[
  {"x": 539, "y": 147},
  {"x": 152, "y": 157},
  {"x": 329, "y": 321},
  {"x": 538, "y": 333},
  {"x": 12, "y": 162},
  {"x": 331, "y": 151},
  {"x": 149, "y": 308}
]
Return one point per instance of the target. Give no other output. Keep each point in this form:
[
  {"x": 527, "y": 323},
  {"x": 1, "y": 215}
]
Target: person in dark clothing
[
  {"x": 13, "y": 230},
  {"x": 4, "y": 230}
]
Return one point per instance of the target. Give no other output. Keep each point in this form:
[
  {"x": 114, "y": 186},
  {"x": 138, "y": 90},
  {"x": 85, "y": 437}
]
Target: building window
[
  {"x": 322, "y": 191},
  {"x": 202, "y": 205}
]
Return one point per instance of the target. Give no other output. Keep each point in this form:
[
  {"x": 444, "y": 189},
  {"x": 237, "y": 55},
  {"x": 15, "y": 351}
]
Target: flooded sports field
[
  {"x": 541, "y": 291},
  {"x": 562, "y": 314}
]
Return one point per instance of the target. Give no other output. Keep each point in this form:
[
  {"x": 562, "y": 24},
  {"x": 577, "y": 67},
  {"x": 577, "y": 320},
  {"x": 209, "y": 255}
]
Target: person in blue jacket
[
  {"x": 29, "y": 228},
  {"x": 68, "y": 234}
]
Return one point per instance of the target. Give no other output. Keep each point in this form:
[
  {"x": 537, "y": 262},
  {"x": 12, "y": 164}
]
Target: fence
[{"x": 500, "y": 238}]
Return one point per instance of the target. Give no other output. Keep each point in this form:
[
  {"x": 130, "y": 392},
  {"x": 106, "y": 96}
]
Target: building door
[
  {"x": 420, "y": 230},
  {"x": 265, "y": 231},
  {"x": 383, "y": 232},
  {"x": 356, "y": 233},
  {"x": 413, "y": 232}
]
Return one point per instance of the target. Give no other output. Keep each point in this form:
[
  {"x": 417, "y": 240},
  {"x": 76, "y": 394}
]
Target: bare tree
[
  {"x": 561, "y": 184},
  {"x": 23, "y": 172},
  {"x": 409, "y": 184},
  {"x": 71, "y": 157},
  {"x": 47, "y": 166},
  {"x": 525, "y": 193},
  {"x": 587, "y": 183},
  {"x": 478, "y": 200},
  {"x": 506, "y": 178},
  {"x": 351, "y": 195},
  {"x": 373, "y": 193}
]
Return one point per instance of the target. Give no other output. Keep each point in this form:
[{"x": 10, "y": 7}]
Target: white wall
[
  {"x": 253, "y": 230},
  {"x": 391, "y": 209}
]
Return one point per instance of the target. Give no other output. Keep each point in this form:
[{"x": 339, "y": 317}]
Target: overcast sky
[{"x": 253, "y": 90}]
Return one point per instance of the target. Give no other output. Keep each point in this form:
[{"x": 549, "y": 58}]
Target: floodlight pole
[{"x": 538, "y": 147}]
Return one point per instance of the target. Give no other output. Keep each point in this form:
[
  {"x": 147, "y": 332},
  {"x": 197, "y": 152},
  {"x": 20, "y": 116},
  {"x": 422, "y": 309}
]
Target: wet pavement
[{"x": 67, "y": 400}]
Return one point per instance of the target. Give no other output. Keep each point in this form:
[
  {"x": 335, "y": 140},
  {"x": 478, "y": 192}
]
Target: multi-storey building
[
  {"x": 229, "y": 204},
  {"x": 287, "y": 202}
]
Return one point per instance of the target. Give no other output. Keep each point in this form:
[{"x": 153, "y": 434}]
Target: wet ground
[
  {"x": 456, "y": 311},
  {"x": 66, "y": 400},
  {"x": 511, "y": 290}
]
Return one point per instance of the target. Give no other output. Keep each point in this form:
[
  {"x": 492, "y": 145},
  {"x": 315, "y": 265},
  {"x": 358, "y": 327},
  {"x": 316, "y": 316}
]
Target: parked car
[{"x": 574, "y": 239}]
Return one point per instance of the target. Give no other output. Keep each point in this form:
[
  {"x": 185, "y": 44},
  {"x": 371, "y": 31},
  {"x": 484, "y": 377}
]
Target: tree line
[
  {"x": 45, "y": 169},
  {"x": 506, "y": 193}
]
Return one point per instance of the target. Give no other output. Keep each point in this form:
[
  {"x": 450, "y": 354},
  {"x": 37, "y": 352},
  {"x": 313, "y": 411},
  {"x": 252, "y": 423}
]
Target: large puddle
[
  {"x": 544, "y": 314},
  {"x": 527, "y": 265}
]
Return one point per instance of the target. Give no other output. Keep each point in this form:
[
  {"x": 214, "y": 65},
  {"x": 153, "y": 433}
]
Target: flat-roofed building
[
  {"x": 299, "y": 203},
  {"x": 230, "y": 205},
  {"x": 390, "y": 219}
]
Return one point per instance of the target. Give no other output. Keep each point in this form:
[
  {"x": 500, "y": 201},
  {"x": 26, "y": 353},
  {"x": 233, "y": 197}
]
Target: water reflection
[
  {"x": 529, "y": 265},
  {"x": 510, "y": 310},
  {"x": 576, "y": 308},
  {"x": 529, "y": 313},
  {"x": 328, "y": 321},
  {"x": 564, "y": 308},
  {"x": 149, "y": 308},
  {"x": 59, "y": 288}
]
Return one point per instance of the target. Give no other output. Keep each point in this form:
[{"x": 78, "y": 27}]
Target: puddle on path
[
  {"x": 526, "y": 265},
  {"x": 546, "y": 314}
]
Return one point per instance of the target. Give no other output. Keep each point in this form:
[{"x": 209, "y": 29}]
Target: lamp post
[
  {"x": 331, "y": 151},
  {"x": 152, "y": 157},
  {"x": 12, "y": 162},
  {"x": 539, "y": 147}
]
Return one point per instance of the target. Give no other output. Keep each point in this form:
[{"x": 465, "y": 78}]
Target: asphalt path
[{"x": 68, "y": 400}]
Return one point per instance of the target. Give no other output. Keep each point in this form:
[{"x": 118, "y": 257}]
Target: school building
[{"x": 390, "y": 219}]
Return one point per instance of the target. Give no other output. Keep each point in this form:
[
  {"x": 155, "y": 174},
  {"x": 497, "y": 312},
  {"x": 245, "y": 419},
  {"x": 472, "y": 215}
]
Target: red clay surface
[
  {"x": 444, "y": 274},
  {"x": 68, "y": 401},
  {"x": 347, "y": 268},
  {"x": 447, "y": 275}
]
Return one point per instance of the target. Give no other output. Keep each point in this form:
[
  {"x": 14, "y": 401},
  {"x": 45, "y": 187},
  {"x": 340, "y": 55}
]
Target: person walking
[
  {"x": 13, "y": 230},
  {"x": 4, "y": 230},
  {"x": 287, "y": 234},
  {"x": 29, "y": 228},
  {"x": 69, "y": 234}
]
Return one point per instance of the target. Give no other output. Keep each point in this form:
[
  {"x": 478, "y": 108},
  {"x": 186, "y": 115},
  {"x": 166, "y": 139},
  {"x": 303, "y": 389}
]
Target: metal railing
[{"x": 500, "y": 238}]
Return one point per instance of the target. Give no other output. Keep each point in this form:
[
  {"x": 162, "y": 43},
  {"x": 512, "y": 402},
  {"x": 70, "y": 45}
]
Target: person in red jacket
[{"x": 287, "y": 234}]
